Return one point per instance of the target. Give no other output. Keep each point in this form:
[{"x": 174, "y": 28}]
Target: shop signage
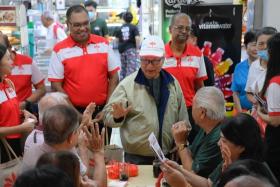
[{"x": 7, "y": 16}]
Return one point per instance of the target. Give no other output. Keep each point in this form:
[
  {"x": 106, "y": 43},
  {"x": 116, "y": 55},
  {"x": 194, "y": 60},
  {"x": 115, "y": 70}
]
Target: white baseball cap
[{"x": 152, "y": 46}]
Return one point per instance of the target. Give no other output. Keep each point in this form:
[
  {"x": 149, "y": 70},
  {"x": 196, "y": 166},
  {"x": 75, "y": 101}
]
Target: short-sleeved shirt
[
  {"x": 239, "y": 81},
  {"x": 99, "y": 27},
  {"x": 55, "y": 34},
  {"x": 84, "y": 70},
  {"x": 256, "y": 77},
  {"x": 272, "y": 134},
  {"x": 25, "y": 73},
  {"x": 9, "y": 108},
  {"x": 187, "y": 68},
  {"x": 32, "y": 155},
  {"x": 206, "y": 152},
  {"x": 126, "y": 35}
]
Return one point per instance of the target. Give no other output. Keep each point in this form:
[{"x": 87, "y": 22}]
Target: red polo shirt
[
  {"x": 186, "y": 69},
  {"x": 9, "y": 108},
  {"x": 273, "y": 97},
  {"x": 84, "y": 70},
  {"x": 25, "y": 74}
]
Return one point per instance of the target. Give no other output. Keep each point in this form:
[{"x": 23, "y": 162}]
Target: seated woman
[
  {"x": 11, "y": 127},
  {"x": 240, "y": 139}
]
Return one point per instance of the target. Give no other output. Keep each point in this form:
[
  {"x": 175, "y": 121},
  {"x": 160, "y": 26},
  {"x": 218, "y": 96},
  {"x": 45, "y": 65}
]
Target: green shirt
[
  {"x": 99, "y": 27},
  {"x": 206, "y": 152},
  {"x": 216, "y": 175}
]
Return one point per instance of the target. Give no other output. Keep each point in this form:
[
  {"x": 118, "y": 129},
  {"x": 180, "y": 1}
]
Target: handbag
[{"x": 10, "y": 169}]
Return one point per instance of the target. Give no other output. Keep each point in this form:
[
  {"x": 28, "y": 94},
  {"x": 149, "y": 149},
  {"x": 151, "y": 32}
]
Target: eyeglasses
[
  {"x": 182, "y": 28},
  {"x": 153, "y": 62},
  {"x": 79, "y": 25}
]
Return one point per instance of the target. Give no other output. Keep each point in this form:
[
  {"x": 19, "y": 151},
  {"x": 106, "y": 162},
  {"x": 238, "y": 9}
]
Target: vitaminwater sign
[{"x": 220, "y": 24}]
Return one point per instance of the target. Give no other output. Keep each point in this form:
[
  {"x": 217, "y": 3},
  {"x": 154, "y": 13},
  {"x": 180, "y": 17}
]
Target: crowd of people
[{"x": 161, "y": 90}]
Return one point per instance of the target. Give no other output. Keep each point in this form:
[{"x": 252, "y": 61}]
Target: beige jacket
[{"x": 142, "y": 120}]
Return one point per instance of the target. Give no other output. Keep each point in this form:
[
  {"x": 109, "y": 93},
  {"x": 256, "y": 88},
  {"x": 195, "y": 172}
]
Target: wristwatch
[{"x": 182, "y": 146}]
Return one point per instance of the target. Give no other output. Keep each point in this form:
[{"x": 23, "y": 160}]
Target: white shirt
[
  {"x": 51, "y": 39},
  {"x": 256, "y": 77}
]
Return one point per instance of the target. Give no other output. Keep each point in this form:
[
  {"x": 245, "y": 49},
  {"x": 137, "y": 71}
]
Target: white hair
[
  {"x": 212, "y": 99},
  {"x": 48, "y": 15},
  {"x": 50, "y": 100}
]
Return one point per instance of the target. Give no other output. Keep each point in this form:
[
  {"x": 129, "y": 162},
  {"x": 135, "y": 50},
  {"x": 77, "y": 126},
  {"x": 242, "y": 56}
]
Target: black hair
[
  {"x": 247, "y": 167},
  {"x": 243, "y": 130},
  {"x": 266, "y": 31},
  {"x": 249, "y": 37},
  {"x": 59, "y": 122},
  {"x": 47, "y": 176},
  {"x": 127, "y": 17},
  {"x": 273, "y": 65},
  {"x": 194, "y": 30},
  {"x": 64, "y": 160},
  {"x": 90, "y": 3},
  {"x": 3, "y": 50},
  {"x": 75, "y": 9}
]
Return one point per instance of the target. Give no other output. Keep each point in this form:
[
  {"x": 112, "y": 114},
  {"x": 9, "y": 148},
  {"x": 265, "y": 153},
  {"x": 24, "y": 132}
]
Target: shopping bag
[{"x": 9, "y": 170}]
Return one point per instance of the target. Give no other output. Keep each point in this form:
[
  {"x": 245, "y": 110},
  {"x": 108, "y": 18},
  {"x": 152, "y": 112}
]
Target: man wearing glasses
[
  {"x": 149, "y": 100},
  {"x": 83, "y": 66},
  {"x": 185, "y": 62}
]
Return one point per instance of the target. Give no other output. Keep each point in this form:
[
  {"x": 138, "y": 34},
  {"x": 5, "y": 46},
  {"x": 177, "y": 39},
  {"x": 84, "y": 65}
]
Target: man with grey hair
[
  {"x": 203, "y": 155},
  {"x": 249, "y": 181},
  {"x": 55, "y": 32},
  {"x": 49, "y": 100},
  {"x": 149, "y": 100},
  {"x": 185, "y": 62}
]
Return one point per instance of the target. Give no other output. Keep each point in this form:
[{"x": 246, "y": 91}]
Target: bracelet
[{"x": 182, "y": 146}]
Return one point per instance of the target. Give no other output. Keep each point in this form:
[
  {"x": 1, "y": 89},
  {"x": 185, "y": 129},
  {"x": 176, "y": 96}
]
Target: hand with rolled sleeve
[
  {"x": 119, "y": 111},
  {"x": 180, "y": 131}
]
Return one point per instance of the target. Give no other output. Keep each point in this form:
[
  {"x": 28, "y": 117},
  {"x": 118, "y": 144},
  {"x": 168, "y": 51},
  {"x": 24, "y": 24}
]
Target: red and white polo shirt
[
  {"x": 84, "y": 71},
  {"x": 9, "y": 108},
  {"x": 273, "y": 97},
  {"x": 186, "y": 69},
  {"x": 25, "y": 74}
]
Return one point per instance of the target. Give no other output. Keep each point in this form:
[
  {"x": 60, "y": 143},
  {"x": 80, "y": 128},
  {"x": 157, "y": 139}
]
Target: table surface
[{"x": 144, "y": 179}]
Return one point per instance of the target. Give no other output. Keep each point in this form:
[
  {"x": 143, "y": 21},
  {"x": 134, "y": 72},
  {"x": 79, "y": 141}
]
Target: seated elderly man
[
  {"x": 61, "y": 131},
  {"x": 149, "y": 100},
  {"x": 49, "y": 100},
  {"x": 208, "y": 111}
]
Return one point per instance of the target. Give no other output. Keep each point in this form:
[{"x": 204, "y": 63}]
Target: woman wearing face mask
[
  {"x": 258, "y": 68},
  {"x": 271, "y": 92},
  {"x": 257, "y": 73}
]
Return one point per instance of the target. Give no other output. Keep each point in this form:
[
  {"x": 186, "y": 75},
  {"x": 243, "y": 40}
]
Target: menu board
[{"x": 7, "y": 16}]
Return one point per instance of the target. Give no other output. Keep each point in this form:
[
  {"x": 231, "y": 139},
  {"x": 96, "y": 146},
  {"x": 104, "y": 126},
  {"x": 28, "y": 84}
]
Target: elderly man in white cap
[
  {"x": 55, "y": 31},
  {"x": 149, "y": 100}
]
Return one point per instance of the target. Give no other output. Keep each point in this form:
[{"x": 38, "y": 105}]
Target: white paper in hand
[{"x": 155, "y": 146}]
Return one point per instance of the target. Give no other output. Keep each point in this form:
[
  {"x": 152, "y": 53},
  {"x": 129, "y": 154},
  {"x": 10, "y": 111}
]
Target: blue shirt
[{"x": 239, "y": 80}]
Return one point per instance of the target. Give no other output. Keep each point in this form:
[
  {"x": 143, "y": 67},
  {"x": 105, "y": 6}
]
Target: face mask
[
  {"x": 91, "y": 15},
  {"x": 263, "y": 54}
]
